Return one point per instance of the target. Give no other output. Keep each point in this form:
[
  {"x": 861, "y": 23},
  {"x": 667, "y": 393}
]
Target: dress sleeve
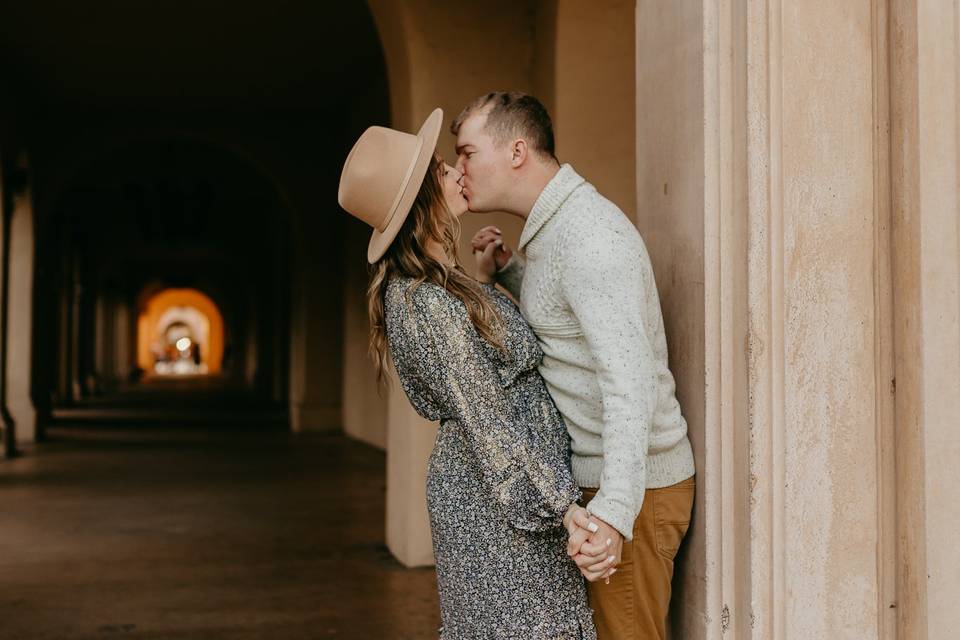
[
  {"x": 533, "y": 489},
  {"x": 511, "y": 276}
]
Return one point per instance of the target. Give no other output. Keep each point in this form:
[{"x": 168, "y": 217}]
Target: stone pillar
[
  {"x": 364, "y": 401},
  {"x": 925, "y": 154},
  {"x": 316, "y": 322},
  {"x": 818, "y": 207},
  {"x": 8, "y": 426},
  {"x": 410, "y": 439},
  {"x": 763, "y": 194},
  {"x": 428, "y": 66},
  {"x": 20, "y": 321}
]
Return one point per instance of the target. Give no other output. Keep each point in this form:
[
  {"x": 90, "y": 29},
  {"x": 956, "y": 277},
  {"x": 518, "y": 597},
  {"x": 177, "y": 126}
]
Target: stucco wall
[
  {"x": 594, "y": 94},
  {"x": 670, "y": 217},
  {"x": 830, "y": 506}
]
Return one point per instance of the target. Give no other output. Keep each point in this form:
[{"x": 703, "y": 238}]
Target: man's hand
[
  {"x": 598, "y": 556},
  {"x": 490, "y": 252}
]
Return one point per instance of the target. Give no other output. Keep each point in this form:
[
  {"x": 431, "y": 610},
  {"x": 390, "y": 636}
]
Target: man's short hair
[{"x": 513, "y": 114}]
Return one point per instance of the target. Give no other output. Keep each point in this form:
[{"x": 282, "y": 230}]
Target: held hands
[
  {"x": 594, "y": 545},
  {"x": 490, "y": 253}
]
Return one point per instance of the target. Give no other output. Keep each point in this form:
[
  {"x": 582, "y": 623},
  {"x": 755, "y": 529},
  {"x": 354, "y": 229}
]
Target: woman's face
[{"x": 452, "y": 192}]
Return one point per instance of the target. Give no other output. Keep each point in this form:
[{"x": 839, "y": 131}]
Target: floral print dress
[{"x": 498, "y": 480}]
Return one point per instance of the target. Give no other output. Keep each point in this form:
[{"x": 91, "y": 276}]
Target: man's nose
[{"x": 459, "y": 166}]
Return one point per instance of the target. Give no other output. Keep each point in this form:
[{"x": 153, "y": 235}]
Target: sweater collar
[{"x": 551, "y": 199}]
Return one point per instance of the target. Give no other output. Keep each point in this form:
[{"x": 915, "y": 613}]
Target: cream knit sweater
[{"x": 586, "y": 287}]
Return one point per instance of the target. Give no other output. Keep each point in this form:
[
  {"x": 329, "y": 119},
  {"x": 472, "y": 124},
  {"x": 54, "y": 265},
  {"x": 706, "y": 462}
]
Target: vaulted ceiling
[{"x": 185, "y": 54}]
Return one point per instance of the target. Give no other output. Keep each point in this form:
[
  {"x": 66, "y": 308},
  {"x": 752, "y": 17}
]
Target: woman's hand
[
  {"x": 575, "y": 518},
  {"x": 592, "y": 557},
  {"x": 490, "y": 253},
  {"x": 599, "y": 556}
]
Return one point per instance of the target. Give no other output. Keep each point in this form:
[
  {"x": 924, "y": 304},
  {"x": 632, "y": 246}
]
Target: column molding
[
  {"x": 883, "y": 326},
  {"x": 765, "y": 346},
  {"x": 925, "y": 174}
]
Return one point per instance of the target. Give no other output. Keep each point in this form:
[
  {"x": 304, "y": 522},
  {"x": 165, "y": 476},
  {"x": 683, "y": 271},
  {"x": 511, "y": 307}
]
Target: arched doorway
[{"x": 180, "y": 332}]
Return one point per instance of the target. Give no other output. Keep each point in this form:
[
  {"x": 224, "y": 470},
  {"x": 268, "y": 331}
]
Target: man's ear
[{"x": 518, "y": 153}]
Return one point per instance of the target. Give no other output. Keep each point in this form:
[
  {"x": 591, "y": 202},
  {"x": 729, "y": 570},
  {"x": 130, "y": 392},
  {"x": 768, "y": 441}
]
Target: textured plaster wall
[
  {"x": 594, "y": 97},
  {"x": 939, "y": 120},
  {"x": 926, "y": 241},
  {"x": 830, "y": 457},
  {"x": 670, "y": 206}
]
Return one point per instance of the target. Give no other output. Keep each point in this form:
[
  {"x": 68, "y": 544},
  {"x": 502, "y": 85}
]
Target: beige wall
[
  {"x": 829, "y": 425},
  {"x": 670, "y": 217},
  {"x": 593, "y": 101}
]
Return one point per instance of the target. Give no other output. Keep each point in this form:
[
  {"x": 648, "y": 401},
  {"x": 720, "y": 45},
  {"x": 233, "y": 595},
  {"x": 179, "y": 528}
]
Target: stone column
[
  {"x": 8, "y": 445},
  {"x": 925, "y": 67},
  {"x": 763, "y": 193},
  {"x": 429, "y": 66},
  {"x": 19, "y": 362}
]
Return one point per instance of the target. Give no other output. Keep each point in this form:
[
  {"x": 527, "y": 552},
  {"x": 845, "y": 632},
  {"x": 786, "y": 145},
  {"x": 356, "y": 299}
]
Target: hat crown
[{"x": 375, "y": 174}]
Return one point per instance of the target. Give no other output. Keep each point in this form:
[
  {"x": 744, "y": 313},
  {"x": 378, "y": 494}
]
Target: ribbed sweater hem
[{"x": 664, "y": 468}]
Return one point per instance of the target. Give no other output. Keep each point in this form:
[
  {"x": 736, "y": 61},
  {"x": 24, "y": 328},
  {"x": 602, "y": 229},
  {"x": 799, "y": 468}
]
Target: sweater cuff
[
  {"x": 511, "y": 275},
  {"x": 614, "y": 514}
]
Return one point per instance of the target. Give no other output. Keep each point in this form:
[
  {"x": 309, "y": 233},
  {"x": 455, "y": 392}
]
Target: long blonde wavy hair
[{"x": 430, "y": 221}]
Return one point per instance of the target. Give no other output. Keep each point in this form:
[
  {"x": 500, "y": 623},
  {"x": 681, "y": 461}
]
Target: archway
[
  {"x": 166, "y": 239},
  {"x": 180, "y": 332},
  {"x": 283, "y": 136}
]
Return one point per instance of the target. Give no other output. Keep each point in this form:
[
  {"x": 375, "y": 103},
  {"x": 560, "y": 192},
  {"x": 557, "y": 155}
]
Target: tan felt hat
[{"x": 382, "y": 176}]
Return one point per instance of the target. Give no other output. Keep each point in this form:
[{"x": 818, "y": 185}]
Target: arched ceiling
[{"x": 186, "y": 55}]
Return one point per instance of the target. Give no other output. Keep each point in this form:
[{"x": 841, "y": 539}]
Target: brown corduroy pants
[{"x": 634, "y": 605}]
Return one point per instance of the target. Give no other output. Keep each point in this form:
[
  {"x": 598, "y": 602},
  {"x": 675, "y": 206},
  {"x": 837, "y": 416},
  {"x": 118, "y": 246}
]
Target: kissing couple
[{"x": 561, "y": 482}]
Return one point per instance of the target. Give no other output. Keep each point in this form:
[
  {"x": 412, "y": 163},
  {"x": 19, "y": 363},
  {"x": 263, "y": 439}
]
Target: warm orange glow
[{"x": 186, "y": 307}]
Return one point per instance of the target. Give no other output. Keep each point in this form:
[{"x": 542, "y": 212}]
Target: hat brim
[{"x": 429, "y": 132}]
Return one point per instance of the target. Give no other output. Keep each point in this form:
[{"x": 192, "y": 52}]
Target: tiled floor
[{"x": 202, "y": 534}]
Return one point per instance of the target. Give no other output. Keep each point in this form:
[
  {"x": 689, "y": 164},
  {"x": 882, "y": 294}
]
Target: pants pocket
[{"x": 671, "y": 512}]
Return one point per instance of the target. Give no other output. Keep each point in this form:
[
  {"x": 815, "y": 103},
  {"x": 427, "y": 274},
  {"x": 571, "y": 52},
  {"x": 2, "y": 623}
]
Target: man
[{"x": 586, "y": 287}]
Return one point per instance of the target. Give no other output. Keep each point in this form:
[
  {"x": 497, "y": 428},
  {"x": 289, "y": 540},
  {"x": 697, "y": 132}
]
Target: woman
[{"x": 499, "y": 488}]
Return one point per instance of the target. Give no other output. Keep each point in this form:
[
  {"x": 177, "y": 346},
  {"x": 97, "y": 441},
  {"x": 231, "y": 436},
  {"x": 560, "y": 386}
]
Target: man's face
[{"x": 485, "y": 167}]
